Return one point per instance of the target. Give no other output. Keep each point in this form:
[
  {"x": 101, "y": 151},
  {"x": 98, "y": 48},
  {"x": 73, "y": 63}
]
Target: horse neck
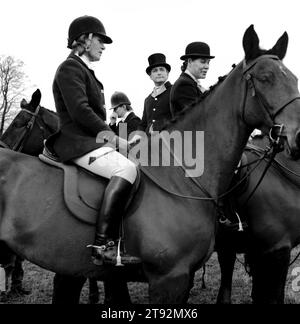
[
  {"x": 50, "y": 120},
  {"x": 46, "y": 124},
  {"x": 33, "y": 145},
  {"x": 225, "y": 134}
]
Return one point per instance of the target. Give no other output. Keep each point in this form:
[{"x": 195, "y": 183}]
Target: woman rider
[{"x": 79, "y": 101}]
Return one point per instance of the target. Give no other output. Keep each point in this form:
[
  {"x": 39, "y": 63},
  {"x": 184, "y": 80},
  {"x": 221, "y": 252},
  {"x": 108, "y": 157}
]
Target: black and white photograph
[{"x": 149, "y": 155}]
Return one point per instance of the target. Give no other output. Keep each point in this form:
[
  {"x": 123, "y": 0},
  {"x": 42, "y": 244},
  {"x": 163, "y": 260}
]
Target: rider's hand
[
  {"x": 113, "y": 118},
  {"x": 122, "y": 144},
  {"x": 135, "y": 139}
]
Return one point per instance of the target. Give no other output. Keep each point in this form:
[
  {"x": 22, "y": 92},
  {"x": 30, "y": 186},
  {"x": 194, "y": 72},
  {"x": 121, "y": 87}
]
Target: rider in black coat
[
  {"x": 84, "y": 134},
  {"x": 122, "y": 109},
  {"x": 157, "y": 105},
  {"x": 187, "y": 89}
]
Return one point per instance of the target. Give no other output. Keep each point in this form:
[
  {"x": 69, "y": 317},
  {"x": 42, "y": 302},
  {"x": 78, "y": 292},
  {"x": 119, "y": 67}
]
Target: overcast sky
[{"x": 35, "y": 31}]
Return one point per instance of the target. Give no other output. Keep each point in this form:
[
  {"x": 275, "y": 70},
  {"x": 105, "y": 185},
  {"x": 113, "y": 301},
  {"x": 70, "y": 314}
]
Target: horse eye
[{"x": 265, "y": 77}]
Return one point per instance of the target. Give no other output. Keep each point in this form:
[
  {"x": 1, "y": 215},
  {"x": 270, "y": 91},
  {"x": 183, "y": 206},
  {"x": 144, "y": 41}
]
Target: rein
[
  {"x": 286, "y": 169},
  {"x": 4, "y": 145},
  {"x": 270, "y": 160},
  {"x": 257, "y": 150},
  {"x": 209, "y": 197}
]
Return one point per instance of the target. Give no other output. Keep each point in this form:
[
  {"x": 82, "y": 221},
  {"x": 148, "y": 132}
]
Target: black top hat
[
  {"x": 119, "y": 98},
  {"x": 157, "y": 59},
  {"x": 197, "y": 49}
]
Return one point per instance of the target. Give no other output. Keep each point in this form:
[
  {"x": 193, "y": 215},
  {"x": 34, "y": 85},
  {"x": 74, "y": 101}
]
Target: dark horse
[
  {"x": 172, "y": 242},
  {"x": 26, "y": 134},
  {"x": 30, "y": 127},
  {"x": 272, "y": 215}
]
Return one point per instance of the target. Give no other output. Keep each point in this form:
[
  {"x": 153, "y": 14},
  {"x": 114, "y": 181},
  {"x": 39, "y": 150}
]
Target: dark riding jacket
[
  {"x": 184, "y": 93},
  {"x": 132, "y": 121},
  {"x": 79, "y": 101},
  {"x": 156, "y": 110}
]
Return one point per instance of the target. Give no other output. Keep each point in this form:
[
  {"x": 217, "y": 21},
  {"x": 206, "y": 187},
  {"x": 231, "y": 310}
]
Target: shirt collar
[
  {"x": 191, "y": 75},
  {"x": 85, "y": 60},
  {"x": 158, "y": 90},
  {"x": 125, "y": 116},
  {"x": 202, "y": 89}
]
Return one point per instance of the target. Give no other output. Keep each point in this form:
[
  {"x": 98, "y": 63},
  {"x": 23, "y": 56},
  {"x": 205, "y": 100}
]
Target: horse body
[
  {"x": 173, "y": 236},
  {"x": 175, "y": 242},
  {"x": 22, "y": 233},
  {"x": 275, "y": 229},
  {"x": 26, "y": 134},
  {"x": 272, "y": 215},
  {"x": 160, "y": 234}
]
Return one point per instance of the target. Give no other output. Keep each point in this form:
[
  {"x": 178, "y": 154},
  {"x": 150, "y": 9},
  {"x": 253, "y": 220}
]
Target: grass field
[{"x": 39, "y": 281}]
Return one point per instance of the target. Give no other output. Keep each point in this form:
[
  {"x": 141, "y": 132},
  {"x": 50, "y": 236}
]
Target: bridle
[
  {"x": 277, "y": 131},
  {"x": 18, "y": 146}
]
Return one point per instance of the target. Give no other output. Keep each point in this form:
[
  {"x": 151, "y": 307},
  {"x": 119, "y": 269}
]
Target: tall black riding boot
[{"x": 112, "y": 209}]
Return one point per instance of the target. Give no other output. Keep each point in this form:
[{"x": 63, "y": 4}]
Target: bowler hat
[
  {"x": 119, "y": 98},
  {"x": 157, "y": 59},
  {"x": 197, "y": 49}
]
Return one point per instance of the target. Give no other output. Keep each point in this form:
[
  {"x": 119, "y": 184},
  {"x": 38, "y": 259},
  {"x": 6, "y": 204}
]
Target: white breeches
[{"x": 108, "y": 163}]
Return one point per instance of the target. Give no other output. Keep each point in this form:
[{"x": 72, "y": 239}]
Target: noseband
[
  {"x": 277, "y": 131},
  {"x": 18, "y": 146}
]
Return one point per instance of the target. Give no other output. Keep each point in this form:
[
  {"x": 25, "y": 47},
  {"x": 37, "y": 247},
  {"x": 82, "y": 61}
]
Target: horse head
[
  {"x": 272, "y": 103},
  {"x": 32, "y": 125}
]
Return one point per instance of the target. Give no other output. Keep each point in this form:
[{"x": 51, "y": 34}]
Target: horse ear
[
  {"x": 23, "y": 103},
  {"x": 280, "y": 47},
  {"x": 36, "y": 98},
  {"x": 251, "y": 44}
]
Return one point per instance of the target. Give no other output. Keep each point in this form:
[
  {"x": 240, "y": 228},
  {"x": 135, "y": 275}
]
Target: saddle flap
[
  {"x": 83, "y": 190},
  {"x": 91, "y": 188}
]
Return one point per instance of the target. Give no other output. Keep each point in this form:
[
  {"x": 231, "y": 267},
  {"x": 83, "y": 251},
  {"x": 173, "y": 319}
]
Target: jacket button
[
  {"x": 155, "y": 98},
  {"x": 153, "y": 121},
  {"x": 154, "y": 109}
]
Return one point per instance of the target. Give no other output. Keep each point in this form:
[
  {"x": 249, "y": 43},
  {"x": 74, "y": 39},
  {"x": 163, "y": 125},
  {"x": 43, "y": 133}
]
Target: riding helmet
[
  {"x": 86, "y": 25},
  {"x": 119, "y": 98}
]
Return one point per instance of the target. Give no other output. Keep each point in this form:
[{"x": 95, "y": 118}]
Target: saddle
[{"x": 83, "y": 190}]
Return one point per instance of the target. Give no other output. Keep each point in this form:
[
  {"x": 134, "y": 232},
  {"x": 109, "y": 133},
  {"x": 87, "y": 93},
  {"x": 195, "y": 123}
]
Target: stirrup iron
[{"x": 119, "y": 259}]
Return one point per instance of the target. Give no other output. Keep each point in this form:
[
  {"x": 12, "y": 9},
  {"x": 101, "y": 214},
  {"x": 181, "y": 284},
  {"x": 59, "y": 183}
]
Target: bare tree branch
[{"x": 12, "y": 87}]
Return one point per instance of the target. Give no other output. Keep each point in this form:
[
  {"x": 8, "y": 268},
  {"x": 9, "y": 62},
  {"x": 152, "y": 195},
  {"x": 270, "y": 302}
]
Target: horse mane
[
  {"x": 206, "y": 94},
  {"x": 189, "y": 108},
  {"x": 50, "y": 119},
  {"x": 50, "y": 111}
]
